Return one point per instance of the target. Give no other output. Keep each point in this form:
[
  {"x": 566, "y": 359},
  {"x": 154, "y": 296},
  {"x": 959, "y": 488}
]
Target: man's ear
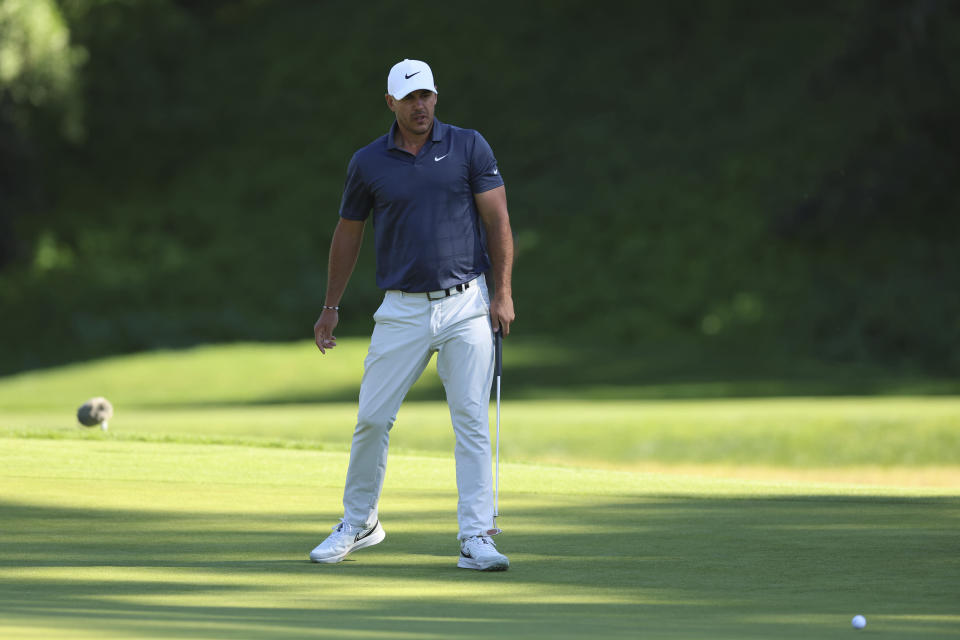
[{"x": 391, "y": 101}]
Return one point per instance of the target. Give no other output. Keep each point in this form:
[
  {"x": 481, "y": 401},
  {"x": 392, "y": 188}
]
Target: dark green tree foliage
[
  {"x": 39, "y": 100},
  {"x": 760, "y": 177},
  {"x": 880, "y": 232}
]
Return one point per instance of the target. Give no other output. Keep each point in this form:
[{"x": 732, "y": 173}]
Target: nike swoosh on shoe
[{"x": 364, "y": 534}]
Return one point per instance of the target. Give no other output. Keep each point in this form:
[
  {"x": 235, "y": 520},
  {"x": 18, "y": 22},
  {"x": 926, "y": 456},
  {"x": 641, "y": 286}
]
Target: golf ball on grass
[{"x": 859, "y": 622}]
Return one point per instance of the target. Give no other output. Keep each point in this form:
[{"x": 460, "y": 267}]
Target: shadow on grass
[{"x": 670, "y": 566}]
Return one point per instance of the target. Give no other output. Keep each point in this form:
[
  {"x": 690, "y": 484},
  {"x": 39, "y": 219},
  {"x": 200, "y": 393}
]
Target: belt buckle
[
  {"x": 445, "y": 292},
  {"x": 460, "y": 288}
]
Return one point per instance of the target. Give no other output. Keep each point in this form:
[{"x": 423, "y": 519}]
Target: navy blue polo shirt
[{"x": 428, "y": 231}]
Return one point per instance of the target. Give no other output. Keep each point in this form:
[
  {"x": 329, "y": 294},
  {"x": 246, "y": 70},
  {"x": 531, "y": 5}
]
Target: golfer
[{"x": 440, "y": 223}]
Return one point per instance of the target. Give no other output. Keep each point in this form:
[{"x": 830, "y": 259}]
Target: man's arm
[
  {"x": 344, "y": 250},
  {"x": 492, "y": 206}
]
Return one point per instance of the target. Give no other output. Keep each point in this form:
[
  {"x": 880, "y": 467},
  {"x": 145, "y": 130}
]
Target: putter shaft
[
  {"x": 496, "y": 493},
  {"x": 498, "y": 371}
]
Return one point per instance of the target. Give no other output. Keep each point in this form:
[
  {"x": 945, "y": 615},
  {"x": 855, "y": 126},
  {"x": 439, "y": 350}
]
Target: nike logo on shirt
[{"x": 439, "y": 158}]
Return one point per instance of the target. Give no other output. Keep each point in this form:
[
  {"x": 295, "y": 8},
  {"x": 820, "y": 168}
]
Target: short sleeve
[
  {"x": 484, "y": 173},
  {"x": 357, "y": 201}
]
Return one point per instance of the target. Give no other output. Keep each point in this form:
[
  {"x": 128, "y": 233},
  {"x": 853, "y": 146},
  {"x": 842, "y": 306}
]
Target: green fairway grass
[
  {"x": 625, "y": 515},
  {"x": 251, "y": 374},
  {"x": 288, "y": 395},
  {"x": 155, "y": 540},
  {"x": 791, "y": 433}
]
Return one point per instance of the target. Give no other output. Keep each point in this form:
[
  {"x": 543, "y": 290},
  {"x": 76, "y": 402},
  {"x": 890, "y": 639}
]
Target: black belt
[{"x": 441, "y": 294}]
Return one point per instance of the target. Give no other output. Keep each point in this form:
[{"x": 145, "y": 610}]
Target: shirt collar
[
  {"x": 436, "y": 135},
  {"x": 438, "y": 129}
]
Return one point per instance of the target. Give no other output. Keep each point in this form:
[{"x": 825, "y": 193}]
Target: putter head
[{"x": 494, "y": 530}]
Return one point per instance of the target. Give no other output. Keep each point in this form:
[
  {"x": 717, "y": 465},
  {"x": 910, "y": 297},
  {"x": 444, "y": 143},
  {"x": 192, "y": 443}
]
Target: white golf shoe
[
  {"x": 345, "y": 539},
  {"x": 479, "y": 552}
]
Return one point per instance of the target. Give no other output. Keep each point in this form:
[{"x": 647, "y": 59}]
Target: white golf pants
[{"x": 409, "y": 329}]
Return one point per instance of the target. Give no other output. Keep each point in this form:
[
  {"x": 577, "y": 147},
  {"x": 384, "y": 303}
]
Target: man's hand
[
  {"x": 492, "y": 206},
  {"x": 501, "y": 313},
  {"x": 323, "y": 330},
  {"x": 344, "y": 249}
]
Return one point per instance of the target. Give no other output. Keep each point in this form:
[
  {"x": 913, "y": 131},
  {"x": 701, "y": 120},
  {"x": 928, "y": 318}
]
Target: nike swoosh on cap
[{"x": 407, "y": 77}]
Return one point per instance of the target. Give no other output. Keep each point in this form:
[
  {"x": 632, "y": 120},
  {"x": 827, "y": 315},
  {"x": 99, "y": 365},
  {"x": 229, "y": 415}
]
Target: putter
[{"x": 498, "y": 371}]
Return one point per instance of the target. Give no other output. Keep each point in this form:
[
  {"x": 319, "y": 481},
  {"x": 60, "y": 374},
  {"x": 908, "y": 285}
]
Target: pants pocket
[{"x": 383, "y": 311}]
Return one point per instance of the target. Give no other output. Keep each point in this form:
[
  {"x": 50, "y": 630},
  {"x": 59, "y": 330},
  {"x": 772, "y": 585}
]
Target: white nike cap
[{"x": 409, "y": 75}]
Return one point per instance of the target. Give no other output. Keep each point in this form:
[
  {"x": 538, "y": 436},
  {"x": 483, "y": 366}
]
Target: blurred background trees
[
  {"x": 39, "y": 97},
  {"x": 736, "y": 180}
]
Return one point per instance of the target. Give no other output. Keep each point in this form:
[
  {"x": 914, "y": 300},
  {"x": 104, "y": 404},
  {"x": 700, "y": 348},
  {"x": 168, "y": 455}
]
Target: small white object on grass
[{"x": 859, "y": 622}]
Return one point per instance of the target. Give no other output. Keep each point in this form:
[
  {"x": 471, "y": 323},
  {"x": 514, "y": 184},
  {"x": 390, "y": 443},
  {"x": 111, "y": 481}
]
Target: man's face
[{"x": 415, "y": 111}]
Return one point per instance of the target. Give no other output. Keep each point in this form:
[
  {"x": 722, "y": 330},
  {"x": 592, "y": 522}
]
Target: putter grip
[{"x": 498, "y": 351}]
